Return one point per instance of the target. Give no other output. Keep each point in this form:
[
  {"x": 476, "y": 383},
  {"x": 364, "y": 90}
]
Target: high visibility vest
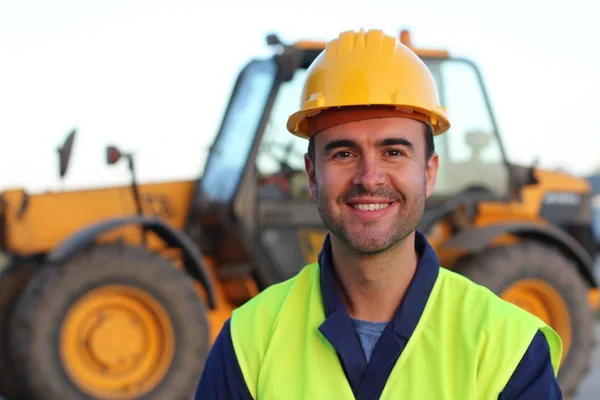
[{"x": 466, "y": 345}]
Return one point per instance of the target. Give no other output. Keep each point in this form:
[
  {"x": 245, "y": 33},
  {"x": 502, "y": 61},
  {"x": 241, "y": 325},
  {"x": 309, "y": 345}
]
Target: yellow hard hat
[{"x": 368, "y": 69}]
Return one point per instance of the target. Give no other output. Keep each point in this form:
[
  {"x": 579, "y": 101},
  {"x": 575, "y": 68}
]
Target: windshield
[
  {"x": 229, "y": 154},
  {"x": 470, "y": 153}
]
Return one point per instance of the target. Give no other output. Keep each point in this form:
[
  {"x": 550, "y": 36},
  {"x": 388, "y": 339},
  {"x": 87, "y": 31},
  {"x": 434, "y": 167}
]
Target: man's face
[{"x": 370, "y": 179}]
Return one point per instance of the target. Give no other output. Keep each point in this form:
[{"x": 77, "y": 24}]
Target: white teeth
[{"x": 370, "y": 207}]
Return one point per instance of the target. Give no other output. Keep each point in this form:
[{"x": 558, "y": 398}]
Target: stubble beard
[{"x": 369, "y": 239}]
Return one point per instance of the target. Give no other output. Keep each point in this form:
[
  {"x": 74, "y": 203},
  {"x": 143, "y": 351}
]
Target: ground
[{"x": 590, "y": 386}]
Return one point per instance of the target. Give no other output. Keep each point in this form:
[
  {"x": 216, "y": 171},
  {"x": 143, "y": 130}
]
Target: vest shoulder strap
[
  {"x": 502, "y": 330},
  {"x": 252, "y": 323}
]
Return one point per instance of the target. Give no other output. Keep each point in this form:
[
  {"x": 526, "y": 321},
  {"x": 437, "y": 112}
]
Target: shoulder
[
  {"x": 252, "y": 324},
  {"x": 222, "y": 377},
  {"x": 481, "y": 303},
  {"x": 478, "y": 304},
  {"x": 268, "y": 303},
  {"x": 501, "y": 330}
]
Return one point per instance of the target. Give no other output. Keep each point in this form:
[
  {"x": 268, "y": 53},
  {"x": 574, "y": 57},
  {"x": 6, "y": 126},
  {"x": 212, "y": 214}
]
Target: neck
[{"x": 373, "y": 286}]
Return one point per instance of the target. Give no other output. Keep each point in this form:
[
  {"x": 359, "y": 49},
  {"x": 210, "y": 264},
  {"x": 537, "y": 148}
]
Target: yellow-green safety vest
[{"x": 466, "y": 345}]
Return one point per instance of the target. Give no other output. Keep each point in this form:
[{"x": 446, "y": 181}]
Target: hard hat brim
[{"x": 297, "y": 123}]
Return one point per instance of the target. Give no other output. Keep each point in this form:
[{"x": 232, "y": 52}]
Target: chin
[{"x": 369, "y": 243}]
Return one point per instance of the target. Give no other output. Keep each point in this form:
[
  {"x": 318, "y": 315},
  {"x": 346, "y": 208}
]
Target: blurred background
[{"x": 154, "y": 78}]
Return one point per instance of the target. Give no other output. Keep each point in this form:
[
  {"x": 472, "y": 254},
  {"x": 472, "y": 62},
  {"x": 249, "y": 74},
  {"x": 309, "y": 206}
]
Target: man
[{"x": 377, "y": 317}]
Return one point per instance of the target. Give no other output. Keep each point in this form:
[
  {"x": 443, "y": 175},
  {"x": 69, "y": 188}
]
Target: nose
[{"x": 369, "y": 174}]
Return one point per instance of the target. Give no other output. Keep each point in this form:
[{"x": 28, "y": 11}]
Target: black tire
[
  {"x": 39, "y": 314},
  {"x": 13, "y": 280},
  {"x": 497, "y": 268}
]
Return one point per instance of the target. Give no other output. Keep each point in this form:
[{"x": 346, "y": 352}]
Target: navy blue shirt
[{"x": 222, "y": 377}]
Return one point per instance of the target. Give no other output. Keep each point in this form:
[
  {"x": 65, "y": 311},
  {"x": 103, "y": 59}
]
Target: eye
[
  {"x": 342, "y": 154},
  {"x": 395, "y": 152}
]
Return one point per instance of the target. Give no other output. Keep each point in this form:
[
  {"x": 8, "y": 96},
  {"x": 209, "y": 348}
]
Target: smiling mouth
[{"x": 370, "y": 206}]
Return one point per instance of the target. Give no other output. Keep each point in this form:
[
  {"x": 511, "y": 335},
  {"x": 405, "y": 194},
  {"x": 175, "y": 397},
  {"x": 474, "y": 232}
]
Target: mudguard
[
  {"x": 477, "y": 238},
  {"x": 192, "y": 258}
]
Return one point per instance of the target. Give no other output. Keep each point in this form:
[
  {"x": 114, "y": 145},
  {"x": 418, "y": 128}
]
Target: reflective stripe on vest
[{"x": 466, "y": 345}]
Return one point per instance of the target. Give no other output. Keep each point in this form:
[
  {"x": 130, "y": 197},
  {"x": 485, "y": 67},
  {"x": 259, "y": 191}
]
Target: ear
[
  {"x": 309, "y": 167},
  {"x": 431, "y": 170}
]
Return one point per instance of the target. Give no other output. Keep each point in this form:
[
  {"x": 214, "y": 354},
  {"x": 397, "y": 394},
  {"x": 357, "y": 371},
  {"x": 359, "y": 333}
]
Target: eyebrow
[{"x": 336, "y": 144}]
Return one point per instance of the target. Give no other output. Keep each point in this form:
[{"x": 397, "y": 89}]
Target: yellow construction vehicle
[{"x": 119, "y": 292}]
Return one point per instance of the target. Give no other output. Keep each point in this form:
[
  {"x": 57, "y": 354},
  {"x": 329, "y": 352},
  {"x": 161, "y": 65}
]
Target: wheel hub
[
  {"x": 544, "y": 301},
  {"x": 117, "y": 342}
]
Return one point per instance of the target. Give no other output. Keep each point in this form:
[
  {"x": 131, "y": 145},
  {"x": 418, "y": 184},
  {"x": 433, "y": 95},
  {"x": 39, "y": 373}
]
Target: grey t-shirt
[{"x": 368, "y": 333}]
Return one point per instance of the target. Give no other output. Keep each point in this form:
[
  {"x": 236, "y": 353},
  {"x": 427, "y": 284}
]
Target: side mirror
[
  {"x": 273, "y": 40},
  {"x": 113, "y": 155},
  {"x": 64, "y": 153}
]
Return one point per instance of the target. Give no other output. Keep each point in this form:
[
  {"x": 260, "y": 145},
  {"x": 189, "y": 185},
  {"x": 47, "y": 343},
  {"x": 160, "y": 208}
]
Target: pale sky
[{"x": 154, "y": 77}]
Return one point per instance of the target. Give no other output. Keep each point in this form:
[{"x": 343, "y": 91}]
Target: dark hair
[{"x": 429, "y": 144}]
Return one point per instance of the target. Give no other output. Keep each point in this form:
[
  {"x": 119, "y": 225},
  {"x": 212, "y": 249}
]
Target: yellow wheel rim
[
  {"x": 544, "y": 301},
  {"x": 117, "y": 342}
]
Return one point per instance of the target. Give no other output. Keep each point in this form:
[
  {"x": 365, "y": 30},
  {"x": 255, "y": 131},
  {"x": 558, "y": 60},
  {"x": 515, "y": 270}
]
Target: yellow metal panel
[{"x": 50, "y": 218}]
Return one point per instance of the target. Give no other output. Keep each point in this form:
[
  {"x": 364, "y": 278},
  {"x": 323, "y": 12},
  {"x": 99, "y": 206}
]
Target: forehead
[{"x": 371, "y": 131}]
